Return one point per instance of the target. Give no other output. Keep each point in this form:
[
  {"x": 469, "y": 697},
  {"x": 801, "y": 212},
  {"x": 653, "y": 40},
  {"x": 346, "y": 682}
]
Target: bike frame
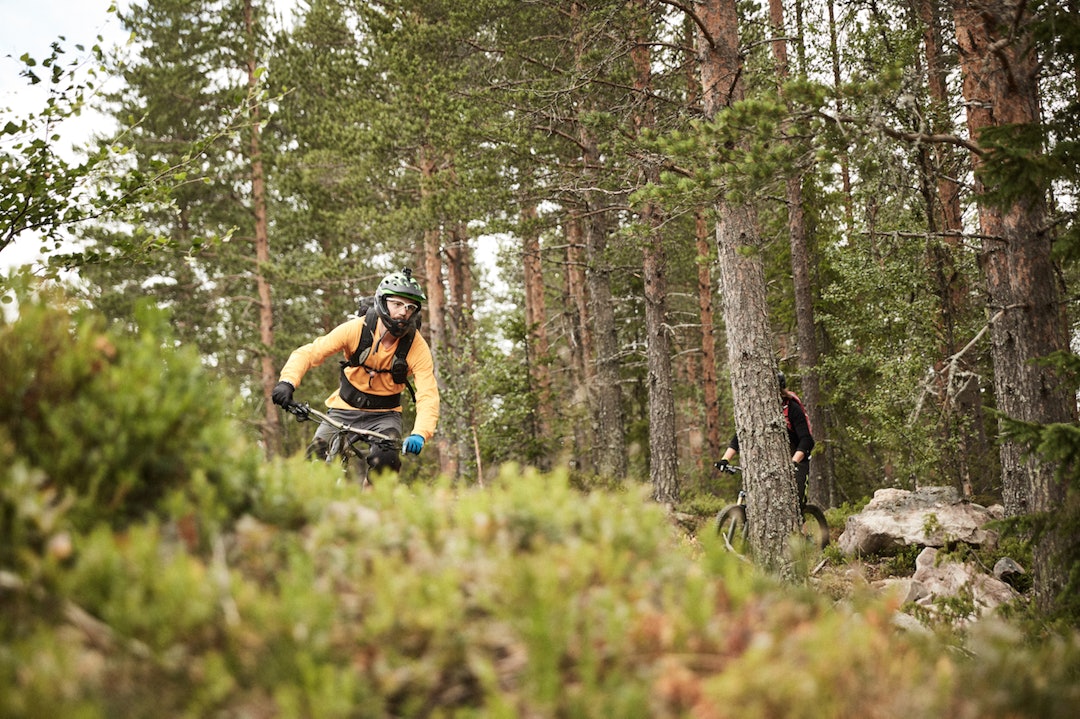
[
  {"x": 346, "y": 436},
  {"x": 733, "y": 519}
]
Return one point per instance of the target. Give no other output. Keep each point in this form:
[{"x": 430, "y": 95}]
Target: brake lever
[{"x": 299, "y": 410}]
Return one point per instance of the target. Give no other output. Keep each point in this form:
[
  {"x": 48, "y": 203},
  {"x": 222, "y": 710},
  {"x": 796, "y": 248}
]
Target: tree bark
[
  {"x": 714, "y": 444},
  {"x": 605, "y": 391},
  {"x": 838, "y": 82},
  {"x": 460, "y": 349},
  {"x": 819, "y": 489},
  {"x": 710, "y": 393},
  {"x": 999, "y": 69},
  {"x": 957, "y": 382},
  {"x": 536, "y": 334},
  {"x": 579, "y": 333},
  {"x": 435, "y": 311},
  {"x": 663, "y": 458},
  {"x": 271, "y": 434},
  {"x": 772, "y": 497}
]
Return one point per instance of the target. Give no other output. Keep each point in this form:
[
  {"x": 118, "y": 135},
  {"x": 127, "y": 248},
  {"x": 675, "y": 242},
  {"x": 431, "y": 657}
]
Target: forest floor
[{"x": 833, "y": 574}]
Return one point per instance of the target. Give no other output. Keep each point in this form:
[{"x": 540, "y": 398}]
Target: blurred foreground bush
[
  {"x": 303, "y": 598},
  {"x": 115, "y": 419}
]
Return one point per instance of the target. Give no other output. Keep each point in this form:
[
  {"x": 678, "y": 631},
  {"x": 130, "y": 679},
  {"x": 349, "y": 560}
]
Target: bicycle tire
[
  {"x": 814, "y": 526},
  {"x": 731, "y": 526}
]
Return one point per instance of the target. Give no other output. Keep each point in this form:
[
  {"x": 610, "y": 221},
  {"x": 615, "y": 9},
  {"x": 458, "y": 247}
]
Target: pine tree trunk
[
  {"x": 536, "y": 343},
  {"x": 957, "y": 383},
  {"x": 838, "y": 83},
  {"x": 605, "y": 391},
  {"x": 709, "y": 390},
  {"x": 463, "y": 422},
  {"x": 271, "y": 435},
  {"x": 772, "y": 498},
  {"x": 819, "y": 489},
  {"x": 714, "y": 444},
  {"x": 768, "y": 476},
  {"x": 663, "y": 457},
  {"x": 435, "y": 310},
  {"x": 999, "y": 70},
  {"x": 579, "y": 332}
]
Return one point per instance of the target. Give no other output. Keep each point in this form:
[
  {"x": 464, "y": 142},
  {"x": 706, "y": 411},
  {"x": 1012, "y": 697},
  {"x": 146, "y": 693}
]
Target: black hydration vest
[{"x": 399, "y": 369}]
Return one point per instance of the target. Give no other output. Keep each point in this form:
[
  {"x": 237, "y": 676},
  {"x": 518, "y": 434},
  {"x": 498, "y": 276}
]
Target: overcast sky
[{"x": 32, "y": 27}]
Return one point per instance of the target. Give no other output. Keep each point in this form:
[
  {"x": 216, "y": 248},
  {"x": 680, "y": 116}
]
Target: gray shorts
[{"x": 388, "y": 423}]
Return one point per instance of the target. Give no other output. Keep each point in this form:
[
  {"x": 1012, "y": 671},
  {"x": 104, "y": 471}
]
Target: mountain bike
[
  {"x": 345, "y": 444},
  {"x": 731, "y": 522}
]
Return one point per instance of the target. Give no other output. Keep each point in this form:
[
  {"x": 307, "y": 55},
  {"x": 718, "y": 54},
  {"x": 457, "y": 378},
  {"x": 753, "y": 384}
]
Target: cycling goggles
[{"x": 394, "y": 305}]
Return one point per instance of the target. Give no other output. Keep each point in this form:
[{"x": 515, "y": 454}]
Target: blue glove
[{"x": 412, "y": 444}]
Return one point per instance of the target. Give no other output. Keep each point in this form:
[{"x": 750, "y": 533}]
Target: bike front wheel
[
  {"x": 731, "y": 526},
  {"x": 814, "y": 527}
]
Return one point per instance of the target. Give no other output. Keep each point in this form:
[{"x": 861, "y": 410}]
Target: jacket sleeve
[
  {"x": 342, "y": 339},
  {"x": 422, "y": 368}
]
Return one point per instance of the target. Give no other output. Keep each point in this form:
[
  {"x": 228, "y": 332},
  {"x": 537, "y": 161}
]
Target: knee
[
  {"x": 382, "y": 458},
  {"x": 318, "y": 449}
]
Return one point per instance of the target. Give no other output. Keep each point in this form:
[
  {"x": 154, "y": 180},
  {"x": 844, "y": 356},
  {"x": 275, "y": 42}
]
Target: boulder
[
  {"x": 937, "y": 578},
  {"x": 926, "y": 517},
  {"x": 951, "y": 579}
]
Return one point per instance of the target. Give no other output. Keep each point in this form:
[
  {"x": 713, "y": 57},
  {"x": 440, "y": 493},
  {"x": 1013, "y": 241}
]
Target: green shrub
[
  {"x": 117, "y": 419},
  {"x": 526, "y": 597}
]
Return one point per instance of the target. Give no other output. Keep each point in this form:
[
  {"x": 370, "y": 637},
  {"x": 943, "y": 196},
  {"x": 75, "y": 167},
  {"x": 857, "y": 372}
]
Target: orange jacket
[{"x": 345, "y": 338}]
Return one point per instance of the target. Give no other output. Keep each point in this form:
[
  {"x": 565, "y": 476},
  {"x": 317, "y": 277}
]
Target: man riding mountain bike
[
  {"x": 800, "y": 436},
  {"x": 382, "y": 349}
]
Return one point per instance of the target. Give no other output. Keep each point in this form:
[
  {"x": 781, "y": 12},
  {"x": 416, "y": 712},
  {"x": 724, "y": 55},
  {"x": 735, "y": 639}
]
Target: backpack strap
[{"x": 399, "y": 370}]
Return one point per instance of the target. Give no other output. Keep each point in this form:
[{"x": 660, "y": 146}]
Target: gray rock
[
  {"x": 1006, "y": 568},
  {"x": 927, "y": 517}
]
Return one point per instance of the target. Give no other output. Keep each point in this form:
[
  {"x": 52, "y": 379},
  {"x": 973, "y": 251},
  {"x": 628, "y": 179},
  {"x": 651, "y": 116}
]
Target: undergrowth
[{"x": 230, "y": 587}]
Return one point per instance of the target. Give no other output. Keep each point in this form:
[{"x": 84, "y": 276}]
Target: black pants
[{"x": 802, "y": 473}]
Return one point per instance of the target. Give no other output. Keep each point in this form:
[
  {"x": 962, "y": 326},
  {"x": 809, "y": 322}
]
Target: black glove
[
  {"x": 722, "y": 465},
  {"x": 282, "y": 394}
]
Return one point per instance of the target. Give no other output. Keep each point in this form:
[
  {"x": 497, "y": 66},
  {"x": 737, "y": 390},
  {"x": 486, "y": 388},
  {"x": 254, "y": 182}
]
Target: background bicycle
[
  {"x": 346, "y": 445},
  {"x": 732, "y": 522}
]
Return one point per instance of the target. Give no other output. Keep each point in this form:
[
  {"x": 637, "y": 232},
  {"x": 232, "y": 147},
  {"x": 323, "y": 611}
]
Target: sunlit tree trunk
[{"x": 536, "y": 333}]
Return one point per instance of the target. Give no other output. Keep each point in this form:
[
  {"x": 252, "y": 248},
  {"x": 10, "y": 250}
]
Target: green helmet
[{"x": 399, "y": 284}]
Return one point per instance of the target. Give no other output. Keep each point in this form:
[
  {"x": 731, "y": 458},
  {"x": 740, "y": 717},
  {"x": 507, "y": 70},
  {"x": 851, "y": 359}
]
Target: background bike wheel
[
  {"x": 731, "y": 526},
  {"x": 814, "y": 526}
]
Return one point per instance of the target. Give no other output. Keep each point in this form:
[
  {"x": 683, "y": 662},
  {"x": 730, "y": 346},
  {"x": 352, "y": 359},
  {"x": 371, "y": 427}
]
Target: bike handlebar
[
  {"x": 303, "y": 412},
  {"x": 730, "y": 468}
]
